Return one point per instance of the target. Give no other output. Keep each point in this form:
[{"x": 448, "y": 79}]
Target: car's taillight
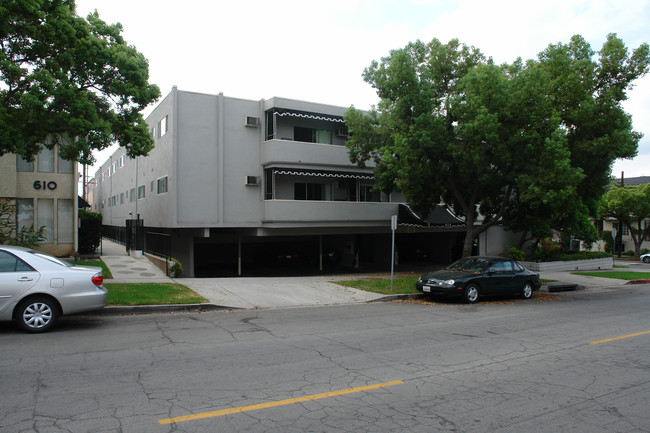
[{"x": 97, "y": 279}]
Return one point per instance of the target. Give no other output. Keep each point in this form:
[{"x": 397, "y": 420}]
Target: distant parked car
[
  {"x": 36, "y": 288},
  {"x": 471, "y": 278},
  {"x": 645, "y": 258}
]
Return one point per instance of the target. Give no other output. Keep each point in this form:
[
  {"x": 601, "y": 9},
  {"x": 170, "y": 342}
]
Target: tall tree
[
  {"x": 65, "y": 76},
  {"x": 631, "y": 206},
  {"x": 496, "y": 141}
]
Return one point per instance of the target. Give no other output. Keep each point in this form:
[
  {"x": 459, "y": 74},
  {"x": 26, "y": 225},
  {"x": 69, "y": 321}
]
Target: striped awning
[
  {"x": 439, "y": 217},
  {"x": 323, "y": 173},
  {"x": 307, "y": 115}
]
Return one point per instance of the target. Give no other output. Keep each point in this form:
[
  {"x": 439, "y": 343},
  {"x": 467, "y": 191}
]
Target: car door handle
[{"x": 25, "y": 279}]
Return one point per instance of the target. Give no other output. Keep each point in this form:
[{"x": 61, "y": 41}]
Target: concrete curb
[{"x": 152, "y": 309}]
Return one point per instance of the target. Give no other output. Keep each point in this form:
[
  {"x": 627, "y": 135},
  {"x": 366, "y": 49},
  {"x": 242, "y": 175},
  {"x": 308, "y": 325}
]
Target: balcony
[
  {"x": 329, "y": 213},
  {"x": 299, "y": 152}
]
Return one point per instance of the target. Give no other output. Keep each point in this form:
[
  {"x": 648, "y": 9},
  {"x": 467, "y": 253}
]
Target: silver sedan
[{"x": 36, "y": 288}]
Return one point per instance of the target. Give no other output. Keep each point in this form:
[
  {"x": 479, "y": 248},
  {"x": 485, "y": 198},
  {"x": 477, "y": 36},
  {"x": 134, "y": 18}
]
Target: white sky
[{"x": 316, "y": 50}]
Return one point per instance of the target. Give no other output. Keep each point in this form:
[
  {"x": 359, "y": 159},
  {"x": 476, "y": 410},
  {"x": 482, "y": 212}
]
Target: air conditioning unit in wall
[
  {"x": 252, "y": 180},
  {"x": 251, "y": 122}
]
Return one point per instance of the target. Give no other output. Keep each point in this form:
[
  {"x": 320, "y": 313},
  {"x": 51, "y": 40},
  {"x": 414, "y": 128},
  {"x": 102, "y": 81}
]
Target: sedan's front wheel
[
  {"x": 37, "y": 314},
  {"x": 527, "y": 291},
  {"x": 471, "y": 294},
  {"x": 646, "y": 260}
]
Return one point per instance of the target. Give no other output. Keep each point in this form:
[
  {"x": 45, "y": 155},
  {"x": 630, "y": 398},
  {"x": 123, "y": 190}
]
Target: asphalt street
[{"x": 572, "y": 361}]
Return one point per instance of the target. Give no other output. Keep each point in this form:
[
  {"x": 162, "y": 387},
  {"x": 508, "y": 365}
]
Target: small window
[
  {"x": 46, "y": 160},
  {"x": 63, "y": 165},
  {"x": 151, "y": 186},
  {"x": 132, "y": 195},
  {"x": 121, "y": 198},
  {"x": 22, "y": 165},
  {"x": 162, "y": 185},
  {"x": 45, "y": 217},
  {"x": 141, "y": 192},
  {"x": 11, "y": 263},
  {"x": 65, "y": 221},
  {"x": 162, "y": 125}
]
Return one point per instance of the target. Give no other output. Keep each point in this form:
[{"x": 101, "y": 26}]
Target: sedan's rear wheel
[
  {"x": 471, "y": 294},
  {"x": 37, "y": 314},
  {"x": 646, "y": 259},
  {"x": 527, "y": 291}
]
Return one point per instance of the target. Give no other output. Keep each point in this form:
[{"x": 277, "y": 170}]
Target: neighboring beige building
[{"x": 43, "y": 192}]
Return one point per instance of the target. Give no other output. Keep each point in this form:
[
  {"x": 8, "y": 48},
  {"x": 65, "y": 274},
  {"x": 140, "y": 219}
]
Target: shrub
[
  {"x": 176, "y": 271},
  {"x": 515, "y": 254},
  {"x": 90, "y": 231}
]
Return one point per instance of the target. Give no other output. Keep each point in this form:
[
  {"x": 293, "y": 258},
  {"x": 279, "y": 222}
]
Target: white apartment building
[{"x": 244, "y": 187}]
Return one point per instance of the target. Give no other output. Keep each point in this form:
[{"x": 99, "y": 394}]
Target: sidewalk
[{"x": 284, "y": 292}]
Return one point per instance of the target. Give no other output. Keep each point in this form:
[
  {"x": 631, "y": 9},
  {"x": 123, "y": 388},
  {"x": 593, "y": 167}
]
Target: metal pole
[{"x": 393, "y": 227}]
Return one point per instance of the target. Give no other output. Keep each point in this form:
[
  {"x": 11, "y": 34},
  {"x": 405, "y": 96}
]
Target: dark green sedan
[{"x": 472, "y": 278}]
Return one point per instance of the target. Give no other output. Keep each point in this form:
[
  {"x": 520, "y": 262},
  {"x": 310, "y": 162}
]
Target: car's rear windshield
[
  {"x": 469, "y": 264},
  {"x": 51, "y": 258}
]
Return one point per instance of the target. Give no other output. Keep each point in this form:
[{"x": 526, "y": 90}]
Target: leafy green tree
[
  {"x": 631, "y": 206},
  {"x": 501, "y": 142},
  {"x": 65, "y": 76}
]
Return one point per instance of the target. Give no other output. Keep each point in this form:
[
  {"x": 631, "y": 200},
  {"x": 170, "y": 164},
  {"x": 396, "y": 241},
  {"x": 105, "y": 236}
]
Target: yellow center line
[
  {"x": 222, "y": 412},
  {"x": 620, "y": 338}
]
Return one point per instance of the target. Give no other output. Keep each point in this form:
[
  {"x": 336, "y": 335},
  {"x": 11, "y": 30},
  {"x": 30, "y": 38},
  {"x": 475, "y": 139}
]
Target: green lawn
[
  {"x": 151, "y": 294},
  {"x": 382, "y": 285},
  {"x": 106, "y": 273},
  {"x": 620, "y": 275}
]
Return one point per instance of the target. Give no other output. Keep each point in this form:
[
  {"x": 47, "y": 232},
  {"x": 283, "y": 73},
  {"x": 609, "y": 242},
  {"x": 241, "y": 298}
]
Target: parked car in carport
[
  {"x": 36, "y": 288},
  {"x": 472, "y": 278}
]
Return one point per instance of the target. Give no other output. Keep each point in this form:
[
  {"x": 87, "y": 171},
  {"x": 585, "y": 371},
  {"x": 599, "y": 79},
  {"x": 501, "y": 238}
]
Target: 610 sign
[{"x": 43, "y": 184}]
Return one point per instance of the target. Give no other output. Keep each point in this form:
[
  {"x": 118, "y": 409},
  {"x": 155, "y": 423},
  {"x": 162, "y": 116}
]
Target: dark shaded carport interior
[{"x": 420, "y": 244}]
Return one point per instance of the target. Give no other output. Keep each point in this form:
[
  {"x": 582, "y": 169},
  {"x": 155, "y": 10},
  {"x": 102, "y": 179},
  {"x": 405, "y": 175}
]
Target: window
[
  {"x": 114, "y": 200},
  {"x": 366, "y": 193},
  {"x": 625, "y": 230},
  {"x": 22, "y": 165},
  {"x": 162, "y": 125},
  {"x": 141, "y": 192},
  {"x": 312, "y": 191},
  {"x": 151, "y": 186},
  {"x": 153, "y": 132},
  {"x": 121, "y": 198},
  {"x": 65, "y": 220},
  {"x": 46, "y": 160},
  {"x": 310, "y": 135},
  {"x": 11, "y": 263},
  {"x": 162, "y": 185},
  {"x": 24, "y": 212},
  {"x": 63, "y": 166},
  {"x": 45, "y": 217},
  {"x": 121, "y": 161},
  {"x": 132, "y": 195}
]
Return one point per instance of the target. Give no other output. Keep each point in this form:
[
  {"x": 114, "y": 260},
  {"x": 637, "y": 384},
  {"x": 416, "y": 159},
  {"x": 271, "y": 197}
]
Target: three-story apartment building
[{"x": 241, "y": 185}]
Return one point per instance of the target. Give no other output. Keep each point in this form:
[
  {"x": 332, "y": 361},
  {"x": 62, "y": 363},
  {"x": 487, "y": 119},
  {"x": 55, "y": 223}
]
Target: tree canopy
[
  {"x": 65, "y": 76},
  {"x": 528, "y": 144},
  {"x": 631, "y": 206}
]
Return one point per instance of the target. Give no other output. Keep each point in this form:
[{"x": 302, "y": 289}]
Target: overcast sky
[{"x": 317, "y": 50}]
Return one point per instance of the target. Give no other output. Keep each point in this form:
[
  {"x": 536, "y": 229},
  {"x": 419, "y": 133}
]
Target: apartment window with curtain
[
  {"x": 312, "y": 191},
  {"x": 46, "y": 160},
  {"x": 64, "y": 166},
  {"x": 162, "y": 185},
  {"x": 65, "y": 220},
  {"x": 24, "y": 212},
  {"x": 22, "y": 165},
  {"x": 45, "y": 217}
]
